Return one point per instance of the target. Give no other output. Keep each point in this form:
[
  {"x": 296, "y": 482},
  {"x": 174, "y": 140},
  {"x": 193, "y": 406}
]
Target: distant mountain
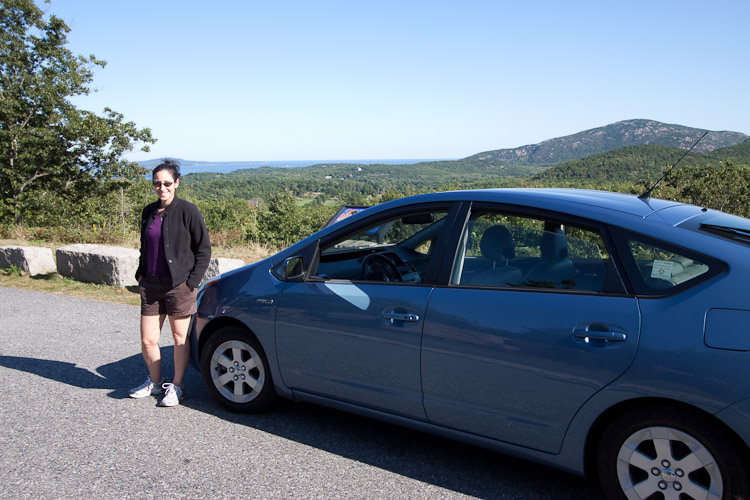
[{"x": 603, "y": 139}]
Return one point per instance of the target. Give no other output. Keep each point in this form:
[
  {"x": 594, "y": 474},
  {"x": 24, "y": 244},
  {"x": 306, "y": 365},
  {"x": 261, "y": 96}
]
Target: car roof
[{"x": 565, "y": 200}]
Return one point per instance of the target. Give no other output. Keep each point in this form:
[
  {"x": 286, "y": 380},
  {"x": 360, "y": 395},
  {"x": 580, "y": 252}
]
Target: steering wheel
[{"x": 378, "y": 267}]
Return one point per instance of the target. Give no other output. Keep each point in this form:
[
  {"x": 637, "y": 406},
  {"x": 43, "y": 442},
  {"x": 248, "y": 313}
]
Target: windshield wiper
[{"x": 735, "y": 233}]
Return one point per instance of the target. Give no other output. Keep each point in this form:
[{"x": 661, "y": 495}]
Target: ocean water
[{"x": 191, "y": 167}]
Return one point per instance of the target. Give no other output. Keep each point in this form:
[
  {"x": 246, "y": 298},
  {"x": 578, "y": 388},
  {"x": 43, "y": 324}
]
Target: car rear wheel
[
  {"x": 665, "y": 454},
  {"x": 235, "y": 371}
]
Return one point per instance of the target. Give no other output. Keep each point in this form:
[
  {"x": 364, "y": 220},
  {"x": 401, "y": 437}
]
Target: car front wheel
[
  {"x": 235, "y": 371},
  {"x": 665, "y": 454}
]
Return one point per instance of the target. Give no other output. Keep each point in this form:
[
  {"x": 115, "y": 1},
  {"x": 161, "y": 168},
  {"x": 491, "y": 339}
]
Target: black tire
[
  {"x": 236, "y": 372},
  {"x": 669, "y": 454}
]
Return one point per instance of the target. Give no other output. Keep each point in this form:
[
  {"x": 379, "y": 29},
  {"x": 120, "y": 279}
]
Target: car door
[
  {"x": 352, "y": 332},
  {"x": 533, "y": 323}
]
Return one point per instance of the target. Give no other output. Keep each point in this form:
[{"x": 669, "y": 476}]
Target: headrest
[
  {"x": 554, "y": 245},
  {"x": 497, "y": 244}
]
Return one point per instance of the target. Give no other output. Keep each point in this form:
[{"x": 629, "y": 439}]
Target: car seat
[
  {"x": 555, "y": 270},
  {"x": 497, "y": 247}
]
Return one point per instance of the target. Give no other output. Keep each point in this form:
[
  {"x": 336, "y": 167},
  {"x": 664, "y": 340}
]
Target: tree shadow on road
[
  {"x": 435, "y": 460},
  {"x": 117, "y": 377},
  {"x": 438, "y": 461}
]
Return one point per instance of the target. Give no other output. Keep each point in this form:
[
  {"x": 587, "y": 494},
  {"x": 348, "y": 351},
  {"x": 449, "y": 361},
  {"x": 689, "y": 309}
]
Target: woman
[{"x": 175, "y": 253}]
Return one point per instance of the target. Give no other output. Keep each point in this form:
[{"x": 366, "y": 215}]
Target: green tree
[
  {"x": 48, "y": 147},
  {"x": 283, "y": 222},
  {"x": 725, "y": 187}
]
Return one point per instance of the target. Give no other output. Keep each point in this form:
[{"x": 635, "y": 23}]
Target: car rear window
[
  {"x": 727, "y": 226},
  {"x": 662, "y": 268},
  {"x": 659, "y": 268}
]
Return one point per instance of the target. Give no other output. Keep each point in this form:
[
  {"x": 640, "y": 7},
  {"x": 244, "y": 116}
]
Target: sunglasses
[{"x": 165, "y": 184}]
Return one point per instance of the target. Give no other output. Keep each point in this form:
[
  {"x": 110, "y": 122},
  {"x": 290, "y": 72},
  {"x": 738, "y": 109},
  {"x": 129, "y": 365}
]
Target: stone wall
[
  {"x": 101, "y": 264},
  {"x": 220, "y": 265},
  {"x": 32, "y": 260},
  {"x": 107, "y": 265}
]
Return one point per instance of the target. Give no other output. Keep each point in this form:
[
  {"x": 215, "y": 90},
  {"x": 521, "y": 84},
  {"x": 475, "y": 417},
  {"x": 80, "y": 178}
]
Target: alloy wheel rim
[
  {"x": 237, "y": 371},
  {"x": 667, "y": 461}
]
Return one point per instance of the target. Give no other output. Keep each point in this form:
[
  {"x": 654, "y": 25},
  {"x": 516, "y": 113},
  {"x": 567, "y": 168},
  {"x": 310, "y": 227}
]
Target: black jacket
[{"x": 186, "y": 242}]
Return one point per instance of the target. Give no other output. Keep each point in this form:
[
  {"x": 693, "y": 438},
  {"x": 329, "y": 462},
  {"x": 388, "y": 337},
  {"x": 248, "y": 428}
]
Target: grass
[{"x": 55, "y": 283}]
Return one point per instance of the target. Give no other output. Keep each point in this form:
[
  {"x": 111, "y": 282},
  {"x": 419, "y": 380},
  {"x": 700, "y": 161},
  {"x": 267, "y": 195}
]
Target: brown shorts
[{"x": 158, "y": 297}]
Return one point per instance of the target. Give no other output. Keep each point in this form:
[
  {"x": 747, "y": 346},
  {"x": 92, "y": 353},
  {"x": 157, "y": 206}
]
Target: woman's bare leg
[
  {"x": 181, "y": 347},
  {"x": 150, "y": 333}
]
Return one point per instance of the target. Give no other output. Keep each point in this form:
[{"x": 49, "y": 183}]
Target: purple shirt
[{"x": 156, "y": 259}]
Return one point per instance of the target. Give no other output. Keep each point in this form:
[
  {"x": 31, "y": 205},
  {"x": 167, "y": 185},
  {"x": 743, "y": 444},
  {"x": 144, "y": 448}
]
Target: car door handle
[
  {"x": 599, "y": 332},
  {"x": 399, "y": 316}
]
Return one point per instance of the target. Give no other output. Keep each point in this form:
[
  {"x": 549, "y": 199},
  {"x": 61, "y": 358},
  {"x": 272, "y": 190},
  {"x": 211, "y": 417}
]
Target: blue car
[{"x": 600, "y": 333}]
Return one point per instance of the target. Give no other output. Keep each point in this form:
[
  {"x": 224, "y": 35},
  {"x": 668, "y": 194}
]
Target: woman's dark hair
[{"x": 168, "y": 164}]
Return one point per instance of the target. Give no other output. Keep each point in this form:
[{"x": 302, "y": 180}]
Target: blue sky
[{"x": 245, "y": 80}]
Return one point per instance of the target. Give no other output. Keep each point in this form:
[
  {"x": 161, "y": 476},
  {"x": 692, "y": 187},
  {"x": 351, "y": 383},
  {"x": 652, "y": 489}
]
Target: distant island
[{"x": 191, "y": 166}]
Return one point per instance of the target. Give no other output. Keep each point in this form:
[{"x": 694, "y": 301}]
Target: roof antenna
[{"x": 647, "y": 195}]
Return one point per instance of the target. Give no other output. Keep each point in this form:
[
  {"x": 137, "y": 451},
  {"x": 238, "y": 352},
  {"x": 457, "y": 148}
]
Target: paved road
[{"x": 68, "y": 429}]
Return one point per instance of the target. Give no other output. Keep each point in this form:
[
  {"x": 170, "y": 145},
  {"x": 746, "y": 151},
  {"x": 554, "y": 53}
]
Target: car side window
[
  {"x": 392, "y": 250},
  {"x": 509, "y": 251},
  {"x": 662, "y": 268}
]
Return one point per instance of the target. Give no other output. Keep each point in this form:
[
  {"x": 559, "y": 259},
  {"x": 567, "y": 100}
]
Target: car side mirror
[{"x": 293, "y": 269}]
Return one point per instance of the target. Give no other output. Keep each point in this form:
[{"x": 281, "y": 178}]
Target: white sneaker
[
  {"x": 146, "y": 389},
  {"x": 172, "y": 395}
]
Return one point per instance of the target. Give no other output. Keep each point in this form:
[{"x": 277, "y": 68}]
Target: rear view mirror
[{"x": 417, "y": 219}]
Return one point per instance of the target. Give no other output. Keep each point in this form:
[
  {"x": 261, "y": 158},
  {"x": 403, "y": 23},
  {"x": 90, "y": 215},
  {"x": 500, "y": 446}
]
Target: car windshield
[{"x": 387, "y": 234}]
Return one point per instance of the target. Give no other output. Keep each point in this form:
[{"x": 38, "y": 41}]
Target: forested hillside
[
  {"x": 635, "y": 163},
  {"x": 739, "y": 153},
  {"x": 351, "y": 181}
]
